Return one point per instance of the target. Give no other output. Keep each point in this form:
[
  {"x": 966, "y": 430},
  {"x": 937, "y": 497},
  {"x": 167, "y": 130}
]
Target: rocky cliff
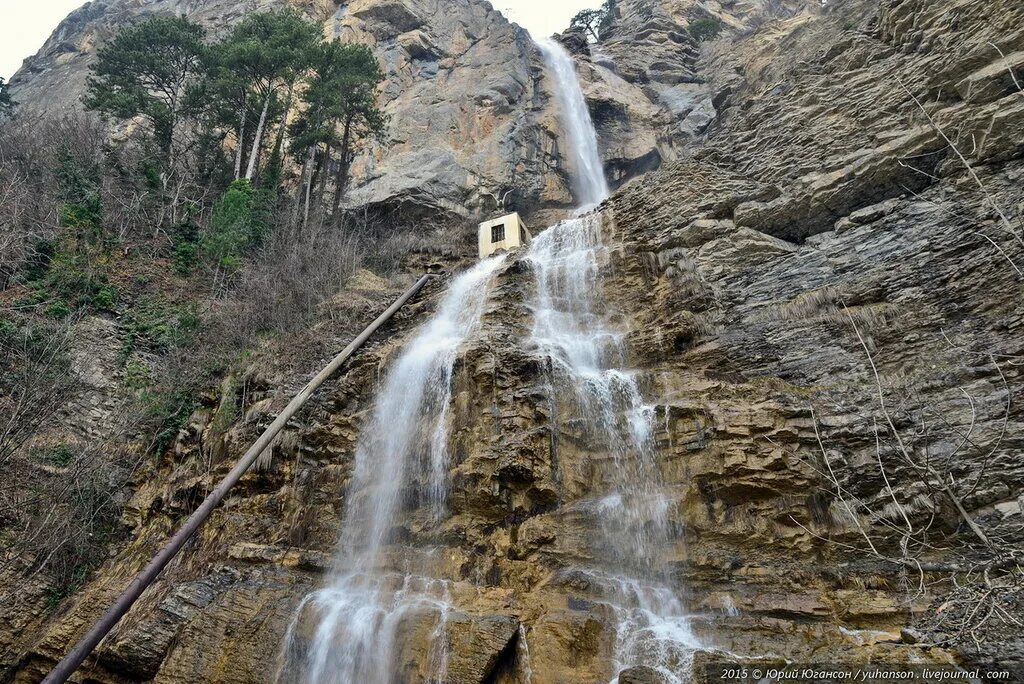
[
  {"x": 472, "y": 117},
  {"x": 822, "y": 287}
]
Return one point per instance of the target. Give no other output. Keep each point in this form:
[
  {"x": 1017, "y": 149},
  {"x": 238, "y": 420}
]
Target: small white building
[{"x": 505, "y": 233}]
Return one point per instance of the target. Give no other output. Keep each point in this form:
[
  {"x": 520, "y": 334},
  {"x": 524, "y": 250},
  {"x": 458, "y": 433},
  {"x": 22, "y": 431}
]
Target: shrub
[
  {"x": 80, "y": 280},
  {"x": 186, "y": 251},
  {"x": 164, "y": 411},
  {"x": 38, "y": 260},
  {"x": 35, "y": 379},
  {"x": 706, "y": 28},
  {"x": 76, "y": 540},
  {"x": 238, "y": 224},
  {"x": 59, "y": 309},
  {"x": 160, "y": 326},
  {"x": 79, "y": 189},
  {"x": 61, "y": 455},
  {"x": 137, "y": 375},
  {"x": 184, "y": 257}
]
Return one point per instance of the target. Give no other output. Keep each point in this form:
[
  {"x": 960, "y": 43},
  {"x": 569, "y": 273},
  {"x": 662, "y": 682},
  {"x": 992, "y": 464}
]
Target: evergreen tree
[
  {"x": 147, "y": 71},
  {"x": 262, "y": 58},
  {"x": 238, "y": 223},
  {"x": 596, "y": 23},
  {"x": 589, "y": 21},
  {"x": 6, "y": 103},
  {"x": 341, "y": 110}
]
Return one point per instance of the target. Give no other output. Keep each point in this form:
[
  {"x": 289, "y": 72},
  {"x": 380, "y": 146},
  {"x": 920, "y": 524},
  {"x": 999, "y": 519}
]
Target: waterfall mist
[{"x": 589, "y": 364}]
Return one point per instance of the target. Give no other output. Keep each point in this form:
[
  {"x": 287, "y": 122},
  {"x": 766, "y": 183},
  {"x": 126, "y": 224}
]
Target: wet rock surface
[{"x": 823, "y": 248}]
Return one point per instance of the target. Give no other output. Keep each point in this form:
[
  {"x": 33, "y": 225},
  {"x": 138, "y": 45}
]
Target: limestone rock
[
  {"x": 461, "y": 96},
  {"x": 478, "y": 646},
  {"x": 762, "y": 280},
  {"x": 641, "y": 675}
]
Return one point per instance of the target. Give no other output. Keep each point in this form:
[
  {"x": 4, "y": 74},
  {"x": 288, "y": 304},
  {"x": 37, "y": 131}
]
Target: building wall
[{"x": 516, "y": 235}]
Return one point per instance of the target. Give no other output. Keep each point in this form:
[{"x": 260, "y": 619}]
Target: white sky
[
  {"x": 27, "y": 24},
  {"x": 540, "y": 17}
]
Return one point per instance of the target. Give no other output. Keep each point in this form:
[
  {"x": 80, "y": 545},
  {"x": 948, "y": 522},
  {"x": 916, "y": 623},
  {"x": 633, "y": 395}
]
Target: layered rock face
[
  {"x": 810, "y": 274},
  {"x": 823, "y": 306},
  {"x": 649, "y": 98}
]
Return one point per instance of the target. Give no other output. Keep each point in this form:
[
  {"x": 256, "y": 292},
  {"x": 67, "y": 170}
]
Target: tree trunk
[
  {"x": 343, "y": 166},
  {"x": 301, "y": 188},
  {"x": 279, "y": 143},
  {"x": 256, "y": 143},
  {"x": 242, "y": 116},
  {"x": 323, "y": 171},
  {"x": 309, "y": 183}
]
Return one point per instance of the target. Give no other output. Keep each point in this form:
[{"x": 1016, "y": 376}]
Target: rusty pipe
[{"x": 66, "y": 667}]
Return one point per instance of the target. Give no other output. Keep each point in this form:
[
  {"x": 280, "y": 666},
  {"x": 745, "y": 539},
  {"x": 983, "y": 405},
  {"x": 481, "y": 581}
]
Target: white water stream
[
  {"x": 572, "y": 327},
  {"x": 350, "y": 630},
  {"x": 362, "y": 610},
  {"x": 591, "y": 185}
]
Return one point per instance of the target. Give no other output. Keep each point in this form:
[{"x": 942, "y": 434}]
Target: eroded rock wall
[{"x": 825, "y": 247}]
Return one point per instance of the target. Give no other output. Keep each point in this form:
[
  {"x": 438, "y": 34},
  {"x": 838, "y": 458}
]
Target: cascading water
[
  {"x": 359, "y": 615},
  {"x": 352, "y": 628},
  {"x": 587, "y": 353},
  {"x": 591, "y": 185}
]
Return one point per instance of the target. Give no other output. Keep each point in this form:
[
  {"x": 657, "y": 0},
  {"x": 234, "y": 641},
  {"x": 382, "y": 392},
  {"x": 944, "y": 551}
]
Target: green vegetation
[
  {"x": 164, "y": 412},
  {"x": 69, "y": 271},
  {"x": 60, "y": 456},
  {"x": 78, "y": 188},
  {"x": 213, "y": 206},
  {"x": 239, "y": 223},
  {"x": 80, "y": 539},
  {"x": 213, "y": 219},
  {"x": 58, "y": 309},
  {"x": 78, "y": 280},
  {"x": 6, "y": 103},
  {"x": 227, "y": 412},
  {"x": 148, "y": 70},
  {"x": 255, "y": 70},
  {"x": 596, "y": 23},
  {"x": 706, "y": 28},
  {"x": 341, "y": 110},
  {"x": 66, "y": 586},
  {"x": 34, "y": 371},
  {"x": 158, "y": 326},
  {"x": 201, "y": 97}
]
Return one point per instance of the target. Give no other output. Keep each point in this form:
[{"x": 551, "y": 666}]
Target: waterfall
[
  {"x": 591, "y": 185},
  {"x": 359, "y": 615},
  {"x": 352, "y": 630},
  {"x": 573, "y": 328},
  {"x": 604, "y": 402}
]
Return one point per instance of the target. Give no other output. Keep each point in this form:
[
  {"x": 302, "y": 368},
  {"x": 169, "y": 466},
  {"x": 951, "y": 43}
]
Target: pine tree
[
  {"x": 341, "y": 110},
  {"x": 589, "y": 21},
  {"x": 262, "y": 58},
  {"x": 596, "y": 23},
  {"x": 147, "y": 71}
]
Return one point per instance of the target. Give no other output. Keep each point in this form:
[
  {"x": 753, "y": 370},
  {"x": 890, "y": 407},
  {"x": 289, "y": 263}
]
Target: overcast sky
[{"x": 27, "y": 23}]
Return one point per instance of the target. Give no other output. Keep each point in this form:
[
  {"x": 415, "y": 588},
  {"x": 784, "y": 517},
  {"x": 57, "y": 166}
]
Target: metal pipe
[{"x": 144, "y": 579}]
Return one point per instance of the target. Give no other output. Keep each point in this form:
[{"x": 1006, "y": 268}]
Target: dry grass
[{"x": 826, "y": 305}]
